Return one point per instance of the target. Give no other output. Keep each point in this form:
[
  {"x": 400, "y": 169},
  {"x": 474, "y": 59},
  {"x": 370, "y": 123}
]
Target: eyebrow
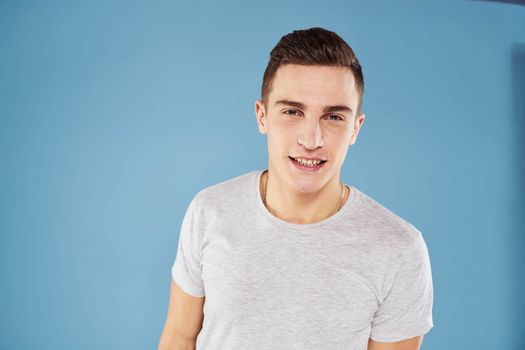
[{"x": 325, "y": 109}]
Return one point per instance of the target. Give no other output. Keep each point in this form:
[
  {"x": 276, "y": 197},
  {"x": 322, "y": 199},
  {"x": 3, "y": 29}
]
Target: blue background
[{"x": 115, "y": 113}]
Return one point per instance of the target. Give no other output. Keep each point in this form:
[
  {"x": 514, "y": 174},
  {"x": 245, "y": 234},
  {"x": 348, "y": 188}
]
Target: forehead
[{"x": 314, "y": 85}]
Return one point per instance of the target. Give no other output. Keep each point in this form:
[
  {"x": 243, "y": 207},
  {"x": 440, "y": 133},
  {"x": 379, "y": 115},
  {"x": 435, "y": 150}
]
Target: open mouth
[{"x": 307, "y": 164}]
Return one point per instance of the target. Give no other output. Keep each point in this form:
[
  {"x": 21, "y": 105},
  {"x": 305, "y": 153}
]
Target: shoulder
[
  {"x": 226, "y": 194},
  {"x": 389, "y": 230}
]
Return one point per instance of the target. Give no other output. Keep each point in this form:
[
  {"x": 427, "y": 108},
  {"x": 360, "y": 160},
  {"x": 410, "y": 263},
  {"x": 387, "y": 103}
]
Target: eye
[
  {"x": 294, "y": 112},
  {"x": 338, "y": 117}
]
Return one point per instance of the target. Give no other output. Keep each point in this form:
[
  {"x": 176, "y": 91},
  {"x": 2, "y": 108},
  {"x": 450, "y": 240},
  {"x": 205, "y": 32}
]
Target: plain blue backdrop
[{"x": 113, "y": 114}]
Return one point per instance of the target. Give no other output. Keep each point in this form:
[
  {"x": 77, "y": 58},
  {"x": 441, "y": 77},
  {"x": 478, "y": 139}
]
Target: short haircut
[{"x": 313, "y": 46}]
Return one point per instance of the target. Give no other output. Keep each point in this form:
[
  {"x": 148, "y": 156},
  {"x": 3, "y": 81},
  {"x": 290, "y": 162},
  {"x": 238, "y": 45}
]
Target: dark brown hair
[{"x": 313, "y": 46}]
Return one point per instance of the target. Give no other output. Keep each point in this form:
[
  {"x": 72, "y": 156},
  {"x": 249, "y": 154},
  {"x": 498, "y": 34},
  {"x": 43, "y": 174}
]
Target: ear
[
  {"x": 260, "y": 114},
  {"x": 358, "y": 122}
]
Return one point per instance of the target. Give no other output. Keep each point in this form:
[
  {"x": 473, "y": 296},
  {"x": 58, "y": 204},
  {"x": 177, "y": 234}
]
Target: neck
[{"x": 297, "y": 207}]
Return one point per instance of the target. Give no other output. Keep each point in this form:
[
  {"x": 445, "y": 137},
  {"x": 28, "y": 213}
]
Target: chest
[{"x": 308, "y": 286}]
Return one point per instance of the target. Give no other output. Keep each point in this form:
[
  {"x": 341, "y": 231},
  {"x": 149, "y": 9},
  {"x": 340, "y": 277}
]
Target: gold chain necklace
[{"x": 338, "y": 207}]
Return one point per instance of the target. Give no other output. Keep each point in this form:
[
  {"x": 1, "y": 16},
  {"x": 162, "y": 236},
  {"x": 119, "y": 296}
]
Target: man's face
[{"x": 299, "y": 123}]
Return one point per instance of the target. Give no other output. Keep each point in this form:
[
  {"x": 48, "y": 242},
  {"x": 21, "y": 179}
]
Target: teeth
[{"x": 308, "y": 162}]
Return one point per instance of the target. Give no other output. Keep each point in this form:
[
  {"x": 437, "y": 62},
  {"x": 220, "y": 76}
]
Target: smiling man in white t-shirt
[{"x": 290, "y": 257}]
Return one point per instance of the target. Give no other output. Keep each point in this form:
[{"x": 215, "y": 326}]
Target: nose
[{"x": 310, "y": 135}]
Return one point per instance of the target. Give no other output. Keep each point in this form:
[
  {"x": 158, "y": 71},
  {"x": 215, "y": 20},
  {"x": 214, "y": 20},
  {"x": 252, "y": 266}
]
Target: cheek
[
  {"x": 278, "y": 141},
  {"x": 282, "y": 135},
  {"x": 338, "y": 142},
  {"x": 337, "y": 136}
]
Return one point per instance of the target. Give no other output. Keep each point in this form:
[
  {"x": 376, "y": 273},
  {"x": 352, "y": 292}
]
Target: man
[{"x": 290, "y": 257}]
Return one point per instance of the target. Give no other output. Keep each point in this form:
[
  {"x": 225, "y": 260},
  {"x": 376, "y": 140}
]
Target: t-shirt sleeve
[
  {"x": 406, "y": 311},
  {"x": 186, "y": 269}
]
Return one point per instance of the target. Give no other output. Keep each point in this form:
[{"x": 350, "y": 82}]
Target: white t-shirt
[{"x": 362, "y": 273}]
